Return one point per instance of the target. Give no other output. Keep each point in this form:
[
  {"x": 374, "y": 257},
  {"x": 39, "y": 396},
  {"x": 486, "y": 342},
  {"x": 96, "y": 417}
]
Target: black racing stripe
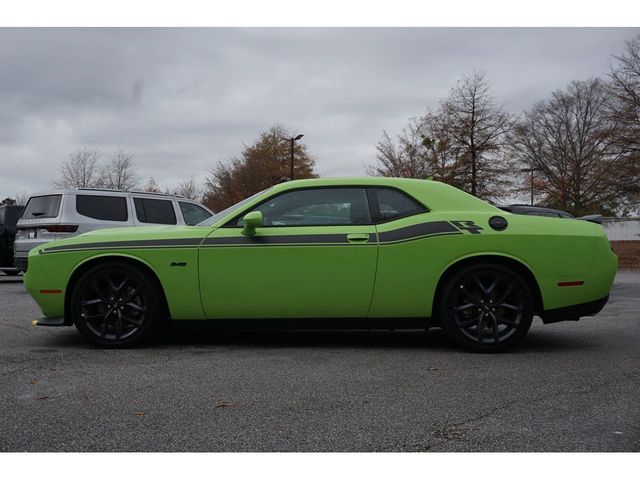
[
  {"x": 412, "y": 239},
  {"x": 338, "y": 238},
  {"x": 413, "y": 232},
  {"x": 177, "y": 242},
  {"x": 417, "y": 231}
]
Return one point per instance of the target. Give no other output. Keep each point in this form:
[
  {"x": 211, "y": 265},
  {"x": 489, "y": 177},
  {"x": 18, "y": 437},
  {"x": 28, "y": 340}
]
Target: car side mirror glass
[{"x": 252, "y": 220}]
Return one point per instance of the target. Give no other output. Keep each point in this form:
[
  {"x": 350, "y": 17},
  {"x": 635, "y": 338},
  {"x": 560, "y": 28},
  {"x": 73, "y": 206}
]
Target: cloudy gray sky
[{"x": 182, "y": 100}]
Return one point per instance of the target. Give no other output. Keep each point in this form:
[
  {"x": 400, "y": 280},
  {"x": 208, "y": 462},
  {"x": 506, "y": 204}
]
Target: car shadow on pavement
[
  {"x": 182, "y": 337},
  {"x": 433, "y": 340}
]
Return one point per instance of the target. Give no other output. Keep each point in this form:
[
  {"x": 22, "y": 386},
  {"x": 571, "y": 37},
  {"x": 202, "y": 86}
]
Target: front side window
[
  {"x": 151, "y": 210},
  {"x": 100, "y": 207},
  {"x": 46, "y": 206},
  {"x": 394, "y": 204},
  {"x": 316, "y": 207},
  {"x": 192, "y": 213}
]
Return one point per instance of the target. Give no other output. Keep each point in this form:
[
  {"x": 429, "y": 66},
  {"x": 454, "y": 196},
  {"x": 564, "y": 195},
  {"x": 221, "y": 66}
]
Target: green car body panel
[{"x": 386, "y": 270}]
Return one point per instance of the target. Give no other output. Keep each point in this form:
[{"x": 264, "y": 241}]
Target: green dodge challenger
[{"x": 339, "y": 253}]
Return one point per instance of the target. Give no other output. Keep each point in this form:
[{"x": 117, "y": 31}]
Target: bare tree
[
  {"x": 119, "y": 173},
  {"x": 463, "y": 143},
  {"x": 81, "y": 170},
  {"x": 406, "y": 157},
  {"x": 570, "y": 138},
  {"x": 444, "y": 155},
  {"x": 188, "y": 188},
  {"x": 624, "y": 106},
  {"x": 21, "y": 198},
  {"x": 424, "y": 149},
  {"x": 152, "y": 186},
  {"x": 624, "y": 88},
  {"x": 478, "y": 129}
]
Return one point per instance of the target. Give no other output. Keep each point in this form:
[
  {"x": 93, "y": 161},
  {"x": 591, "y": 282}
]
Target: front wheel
[
  {"x": 115, "y": 304},
  {"x": 486, "y": 308}
]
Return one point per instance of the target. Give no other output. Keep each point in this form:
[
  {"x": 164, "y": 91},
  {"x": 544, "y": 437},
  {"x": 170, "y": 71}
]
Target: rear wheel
[
  {"x": 486, "y": 308},
  {"x": 115, "y": 304}
]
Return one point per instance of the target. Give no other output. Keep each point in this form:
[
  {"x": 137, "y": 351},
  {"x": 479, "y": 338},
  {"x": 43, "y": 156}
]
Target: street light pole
[
  {"x": 530, "y": 170},
  {"x": 292, "y": 142}
]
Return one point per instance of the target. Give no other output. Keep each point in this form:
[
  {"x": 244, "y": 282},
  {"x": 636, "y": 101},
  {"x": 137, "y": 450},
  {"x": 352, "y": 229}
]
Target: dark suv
[{"x": 9, "y": 216}]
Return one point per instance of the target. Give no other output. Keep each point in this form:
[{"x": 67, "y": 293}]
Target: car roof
[
  {"x": 109, "y": 192},
  {"x": 327, "y": 181},
  {"x": 435, "y": 195}
]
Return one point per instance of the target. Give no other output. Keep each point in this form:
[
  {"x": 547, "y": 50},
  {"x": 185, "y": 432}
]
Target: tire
[
  {"x": 486, "y": 308},
  {"x": 11, "y": 272},
  {"x": 116, "y": 304}
]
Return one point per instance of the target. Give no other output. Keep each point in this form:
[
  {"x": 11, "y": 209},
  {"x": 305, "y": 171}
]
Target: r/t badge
[{"x": 468, "y": 225}]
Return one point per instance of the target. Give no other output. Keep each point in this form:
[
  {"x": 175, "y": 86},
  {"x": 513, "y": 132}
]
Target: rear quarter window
[
  {"x": 391, "y": 204},
  {"x": 45, "y": 206},
  {"x": 99, "y": 207}
]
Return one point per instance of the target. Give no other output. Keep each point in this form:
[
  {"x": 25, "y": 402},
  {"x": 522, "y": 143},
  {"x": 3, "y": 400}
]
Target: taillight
[{"x": 61, "y": 228}]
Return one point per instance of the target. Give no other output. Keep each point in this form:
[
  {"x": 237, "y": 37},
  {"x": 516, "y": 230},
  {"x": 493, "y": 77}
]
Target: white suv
[{"x": 65, "y": 213}]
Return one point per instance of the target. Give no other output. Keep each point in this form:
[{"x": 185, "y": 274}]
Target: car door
[
  {"x": 314, "y": 256},
  {"x": 408, "y": 245}
]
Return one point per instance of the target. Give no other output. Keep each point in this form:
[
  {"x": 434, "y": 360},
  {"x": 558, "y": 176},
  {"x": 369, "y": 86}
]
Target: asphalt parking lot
[{"x": 569, "y": 387}]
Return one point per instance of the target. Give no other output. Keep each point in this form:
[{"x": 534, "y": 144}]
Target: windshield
[{"x": 211, "y": 220}]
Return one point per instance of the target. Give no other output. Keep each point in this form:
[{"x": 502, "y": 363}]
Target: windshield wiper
[{"x": 37, "y": 214}]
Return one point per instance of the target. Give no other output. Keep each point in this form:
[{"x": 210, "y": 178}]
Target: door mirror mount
[{"x": 252, "y": 220}]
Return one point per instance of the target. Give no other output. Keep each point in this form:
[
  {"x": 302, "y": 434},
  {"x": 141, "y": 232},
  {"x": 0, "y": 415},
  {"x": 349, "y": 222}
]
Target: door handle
[{"x": 358, "y": 237}]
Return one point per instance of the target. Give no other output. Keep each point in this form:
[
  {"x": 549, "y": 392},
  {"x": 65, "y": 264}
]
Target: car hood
[
  {"x": 156, "y": 231},
  {"x": 133, "y": 234}
]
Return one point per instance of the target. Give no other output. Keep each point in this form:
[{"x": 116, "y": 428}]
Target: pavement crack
[{"x": 455, "y": 431}]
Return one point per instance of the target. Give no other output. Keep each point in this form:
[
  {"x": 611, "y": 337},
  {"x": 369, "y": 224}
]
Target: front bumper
[
  {"x": 574, "y": 312},
  {"x": 50, "y": 322}
]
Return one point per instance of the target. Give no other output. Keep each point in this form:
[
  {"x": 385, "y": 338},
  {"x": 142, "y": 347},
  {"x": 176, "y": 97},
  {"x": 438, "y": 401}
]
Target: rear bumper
[
  {"x": 23, "y": 246},
  {"x": 574, "y": 312}
]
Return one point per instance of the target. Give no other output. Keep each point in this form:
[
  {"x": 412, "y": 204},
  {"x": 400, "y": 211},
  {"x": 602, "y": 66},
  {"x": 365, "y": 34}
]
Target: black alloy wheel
[
  {"x": 115, "y": 304},
  {"x": 486, "y": 307}
]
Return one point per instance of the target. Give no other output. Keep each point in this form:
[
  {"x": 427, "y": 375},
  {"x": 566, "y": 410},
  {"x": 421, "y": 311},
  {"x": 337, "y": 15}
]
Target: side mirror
[{"x": 252, "y": 220}]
